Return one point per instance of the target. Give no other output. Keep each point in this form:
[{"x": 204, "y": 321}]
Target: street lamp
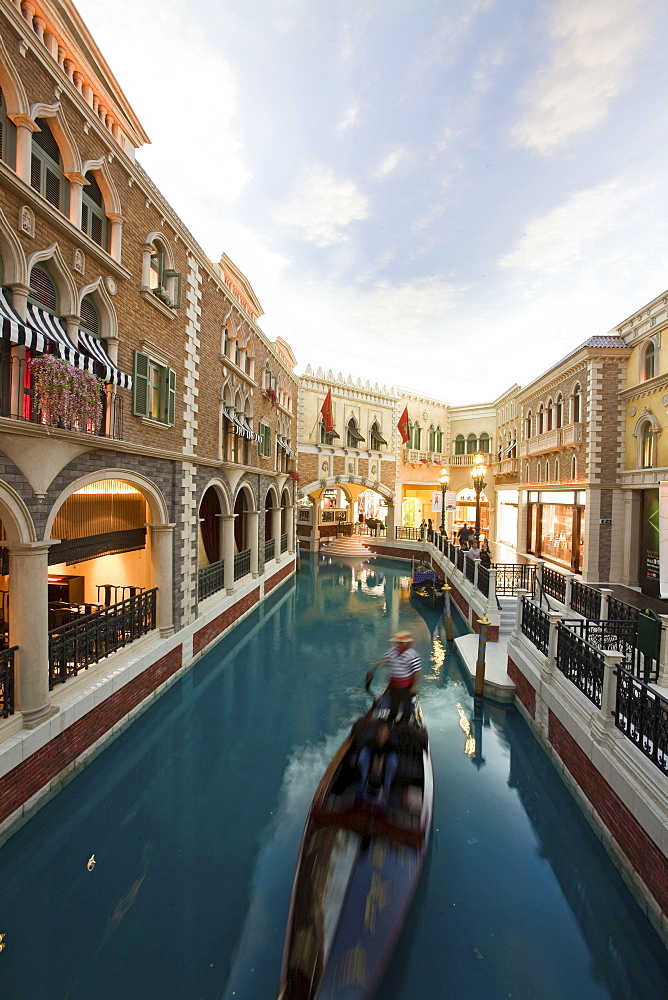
[
  {"x": 445, "y": 479},
  {"x": 478, "y": 476}
]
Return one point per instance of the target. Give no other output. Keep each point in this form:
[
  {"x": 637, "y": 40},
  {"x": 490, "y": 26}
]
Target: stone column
[
  {"x": 290, "y": 528},
  {"x": 227, "y": 521},
  {"x": 29, "y": 628},
  {"x": 276, "y": 531},
  {"x": 25, "y": 127},
  {"x": 389, "y": 520},
  {"x": 162, "y": 551},
  {"x": 77, "y": 182},
  {"x": 553, "y": 639},
  {"x": 603, "y": 725},
  {"x": 569, "y": 590},
  {"x": 72, "y": 324},
  {"x": 606, "y": 594},
  {"x": 253, "y": 525},
  {"x": 116, "y": 235}
]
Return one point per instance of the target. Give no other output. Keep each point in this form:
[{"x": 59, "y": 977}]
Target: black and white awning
[
  {"x": 282, "y": 443},
  {"x": 51, "y": 328},
  {"x": 95, "y": 348},
  {"x": 15, "y": 330},
  {"x": 248, "y": 430}
]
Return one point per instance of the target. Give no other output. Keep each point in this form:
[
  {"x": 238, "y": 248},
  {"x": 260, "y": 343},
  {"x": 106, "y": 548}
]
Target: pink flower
[{"x": 67, "y": 395}]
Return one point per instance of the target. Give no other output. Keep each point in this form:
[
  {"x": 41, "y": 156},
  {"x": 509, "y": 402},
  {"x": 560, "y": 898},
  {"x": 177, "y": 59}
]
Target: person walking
[
  {"x": 405, "y": 672},
  {"x": 430, "y": 530}
]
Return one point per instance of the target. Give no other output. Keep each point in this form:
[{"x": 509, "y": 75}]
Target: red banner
[
  {"x": 327, "y": 415},
  {"x": 403, "y": 427}
]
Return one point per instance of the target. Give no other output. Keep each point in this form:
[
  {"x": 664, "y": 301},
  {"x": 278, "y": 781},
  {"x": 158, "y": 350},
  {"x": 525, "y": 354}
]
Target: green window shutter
[
  {"x": 140, "y": 385},
  {"x": 171, "y": 396},
  {"x": 52, "y": 188},
  {"x": 35, "y": 172}
]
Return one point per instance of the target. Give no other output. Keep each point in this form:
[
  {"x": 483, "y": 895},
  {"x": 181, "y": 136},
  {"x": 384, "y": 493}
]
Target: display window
[{"x": 556, "y": 530}]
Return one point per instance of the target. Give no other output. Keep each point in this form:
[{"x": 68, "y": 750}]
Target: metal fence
[
  {"x": 469, "y": 569},
  {"x": 7, "y": 682},
  {"x": 84, "y": 641},
  {"x": 242, "y": 564},
  {"x": 410, "y": 534},
  {"x": 284, "y": 543},
  {"x": 483, "y": 580},
  {"x": 269, "y": 549},
  {"x": 621, "y": 611},
  {"x": 581, "y": 663},
  {"x": 642, "y": 715},
  {"x": 210, "y": 579},
  {"x": 511, "y": 577},
  {"x": 554, "y": 583},
  {"x": 585, "y": 601},
  {"x": 535, "y": 625},
  {"x": 621, "y": 636}
]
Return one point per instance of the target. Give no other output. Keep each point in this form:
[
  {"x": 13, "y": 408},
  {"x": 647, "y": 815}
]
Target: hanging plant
[
  {"x": 65, "y": 394},
  {"x": 294, "y": 475},
  {"x": 271, "y": 396}
]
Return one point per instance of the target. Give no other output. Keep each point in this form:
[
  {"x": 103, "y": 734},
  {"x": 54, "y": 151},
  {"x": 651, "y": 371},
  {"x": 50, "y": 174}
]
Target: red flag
[
  {"x": 327, "y": 415},
  {"x": 403, "y": 427}
]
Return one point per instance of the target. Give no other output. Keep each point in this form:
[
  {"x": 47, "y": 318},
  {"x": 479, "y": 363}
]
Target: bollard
[
  {"x": 447, "y": 611},
  {"x": 479, "y": 685}
]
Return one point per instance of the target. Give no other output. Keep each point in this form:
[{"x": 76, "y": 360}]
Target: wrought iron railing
[
  {"x": 483, "y": 580},
  {"x": 621, "y": 636},
  {"x": 242, "y": 564},
  {"x": 554, "y": 583},
  {"x": 469, "y": 569},
  {"x": 411, "y": 534},
  {"x": 7, "y": 682},
  {"x": 210, "y": 579},
  {"x": 511, "y": 577},
  {"x": 621, "y": 611},
  {"x": 74, "y": 550},
  {"x": 642, "y": 715},
  {"x": 581, "y": 663},
  {"x": 84, "y": 641},
  {"x": 284, "y": 543},
  {"x": 461, "y": 559},
  {"x": 269, "y": 549},
  {"x": 535, "y": 625},
  {"x": 585, "y": 600}
]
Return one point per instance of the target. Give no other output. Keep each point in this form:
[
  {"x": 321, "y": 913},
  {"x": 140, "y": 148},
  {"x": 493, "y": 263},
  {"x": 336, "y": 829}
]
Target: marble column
[
  {"x": 251, "y": 534},
  {"x": 276, "y": 530},
  {"x": 228, "y": 551},
  {"x": 162, "y": 550}
]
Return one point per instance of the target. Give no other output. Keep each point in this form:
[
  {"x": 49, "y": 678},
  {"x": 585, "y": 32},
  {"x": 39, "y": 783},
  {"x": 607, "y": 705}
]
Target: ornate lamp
[
  {"x": 445, "y": 479},
  {"x": 478, "y": 474}
]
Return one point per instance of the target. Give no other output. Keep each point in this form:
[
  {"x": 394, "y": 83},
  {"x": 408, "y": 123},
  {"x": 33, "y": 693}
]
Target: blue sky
[{"x": 443, "y": 195}]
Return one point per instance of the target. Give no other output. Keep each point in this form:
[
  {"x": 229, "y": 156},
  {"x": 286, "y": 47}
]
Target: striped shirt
[{"x": 403, "y": 665}]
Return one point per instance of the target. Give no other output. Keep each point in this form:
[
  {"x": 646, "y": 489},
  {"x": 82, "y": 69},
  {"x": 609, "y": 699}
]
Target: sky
[{"x": 448, "y": 195}]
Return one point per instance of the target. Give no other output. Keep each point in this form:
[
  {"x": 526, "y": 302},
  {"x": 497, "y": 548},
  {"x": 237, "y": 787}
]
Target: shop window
[
  {"x": 471, "y": 445},
  {"x": 154, "y": 390},
  {"x": 484, "y": 443},
  {"x": 93, "y": 220},
  {"x": 264, "y": 444},
  {"x": 46, "y": 166},
  {"x": 647, "y": 458},
  {"x": 460, "y": 445},
  {"x": 649, "y": 367}
]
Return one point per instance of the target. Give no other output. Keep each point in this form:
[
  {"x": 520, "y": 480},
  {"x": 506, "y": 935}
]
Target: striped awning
[
  {"x": 51, "y": 328},
  {"x": 16, "y": 330},
  {"x": 93, "y": 346},
  {"x": 282, "y": 443},
  {"x": 250, "y": 433},
  {"x": 231, "y": 415}
]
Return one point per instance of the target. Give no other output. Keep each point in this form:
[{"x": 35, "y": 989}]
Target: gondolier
[{"x": 405, "y": 670}]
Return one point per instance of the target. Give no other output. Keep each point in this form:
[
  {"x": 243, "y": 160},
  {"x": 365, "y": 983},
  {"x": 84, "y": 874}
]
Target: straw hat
[{"x": 402, "y": 637}]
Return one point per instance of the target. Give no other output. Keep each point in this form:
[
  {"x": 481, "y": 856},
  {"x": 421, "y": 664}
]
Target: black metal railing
[
  {"x": 470, "y": 569},
  {"x": 554, "y": 583},
  {"x": 7, "y": 682},
  {"x": 269, "y": 549},
  {"x": 621, "y": 611},
  {"x": 581, "y": 663},
  {"x": 535, "y": 625},
  {"x": 84, "y": 641},
  {"x": 585, "y": 600},
  {"x": 642, "y": 715},
  {"x": 483, "y": 580},
  {"x": 75, "y": 550},
  {"x": 620, "y": 636},
  {"x": 461, "y": 560},
  {"x": 284, "y": 543},
  {"x": 511, "y": 577},
  {"x": 242, "y": 564},
  {"x": 411, "y": 534},
  {"x": 210, "y": 579}
]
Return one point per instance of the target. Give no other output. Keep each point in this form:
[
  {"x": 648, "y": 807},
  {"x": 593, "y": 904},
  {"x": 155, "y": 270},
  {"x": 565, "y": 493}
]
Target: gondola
[
  {"x": 426, "y": 585},
  {"x": 358, "y": 867}
]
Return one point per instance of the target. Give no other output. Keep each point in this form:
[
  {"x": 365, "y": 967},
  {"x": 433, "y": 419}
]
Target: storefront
[
  {"x": 556, "y": 526},
  {"x": 466, "y": 510},
  {"x": 649, "y": 544},
  {"x": 506, "y": 514}
]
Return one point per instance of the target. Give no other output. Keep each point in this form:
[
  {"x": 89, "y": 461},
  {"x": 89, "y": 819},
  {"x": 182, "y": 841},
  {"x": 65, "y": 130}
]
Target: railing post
[
  {"x": 517, "y": 631},
  {"x": 569, "y": 590},
  {"x": 491, "y": 596},
  {"x": 479, "y": 683},
  {"x": 606, "y": 594},
  {"x": 606, "y": 721},
  {"x": 476, "y": 567},
  {"x": 539, "y": 574},
  {"x": 553, "y": 640}
]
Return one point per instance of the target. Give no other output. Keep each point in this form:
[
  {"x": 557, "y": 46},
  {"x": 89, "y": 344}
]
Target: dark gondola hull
[{"x": 357, "y": 871}]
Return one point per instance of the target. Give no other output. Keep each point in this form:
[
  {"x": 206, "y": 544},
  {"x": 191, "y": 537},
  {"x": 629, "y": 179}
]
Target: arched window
[
  {"x": 46, "y": 166},
  {"x": 559, "y": 411},
  {"x": 541, "y": 418},
  {"x": 649, "y": 367},
  {"x": 432, "y": 438},
  {"x": 353, "y": 436},
  {"x": 527, "y": 425},
  {"x": 7, "y": 134},
  {"x": 438, "y": 440},
  {"x": 574, "y": 469},
  {"x": 647, "y": 458},
  {"x": 93, "y": 220},
  {"x": 547, "y": 470},
  {"x": 577, "y": 404},
  {"x": 548, "y": 415},
  {"x": 538, "y": 479},
  {"x": 471, "y": 444},
  {"x": 377, "y": 439},
  {"x": 416, "y": 436},
  {"x": 483, "y": 443},
  {"x": 326, "y": 438},
  {"x": 226, "y": 342},
  {"x": 556, "y": 470},
  {"x": 42, "y": 289},
  {"x": 163, "y": 281},
  {"x": 460, "y": 445}
]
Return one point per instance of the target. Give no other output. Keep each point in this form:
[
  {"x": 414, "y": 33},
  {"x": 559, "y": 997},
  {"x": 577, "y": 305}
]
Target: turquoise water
[{"x": 195, "y": 812}]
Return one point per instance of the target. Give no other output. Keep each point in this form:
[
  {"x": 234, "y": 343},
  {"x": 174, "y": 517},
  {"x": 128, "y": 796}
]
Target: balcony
[
  {"x": 504, "y": 467},
  {"x": 425, "y": 458},
  {"x": 561, "y": 437}
]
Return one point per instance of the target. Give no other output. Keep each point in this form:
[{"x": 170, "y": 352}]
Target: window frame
[
  {"x": 91, "y": 209},
  {"x": 264, "y": 444},
  {"x": 154, "y": 383},
  {"x": 40, "y": 156}
]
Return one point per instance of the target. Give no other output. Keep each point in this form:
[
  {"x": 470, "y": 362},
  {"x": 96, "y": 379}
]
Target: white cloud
[
  {"x": 594, "y": 44},
  {"x": 391, "y": 162},
  {"x": 350, "y": 118},
  {"x": 561, "y": 239},
  {"x": 323, "y": 207}
]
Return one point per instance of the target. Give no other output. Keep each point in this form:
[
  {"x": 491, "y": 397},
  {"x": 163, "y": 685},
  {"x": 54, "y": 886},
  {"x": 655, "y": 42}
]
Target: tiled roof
[{"x": 607, "y": 340}]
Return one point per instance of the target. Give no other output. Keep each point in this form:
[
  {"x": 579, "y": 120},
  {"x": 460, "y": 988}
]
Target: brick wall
[
  {"x": 206, "y": 635},
  {"x": 643, "y": 854},
  {"x": 274, "y": 580},
  {"x": 27, "y": 778},
  {"x": 523, "y": 689}
]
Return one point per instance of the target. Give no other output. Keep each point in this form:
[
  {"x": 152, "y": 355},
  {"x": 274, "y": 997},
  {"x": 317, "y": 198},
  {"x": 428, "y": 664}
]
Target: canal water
[{"x": 194, "y": 816}]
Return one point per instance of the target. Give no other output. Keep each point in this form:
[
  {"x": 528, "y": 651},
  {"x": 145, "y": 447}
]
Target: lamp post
[
  {"x": 478, "y": 476},
  {"x": 445, "y": 479}
]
